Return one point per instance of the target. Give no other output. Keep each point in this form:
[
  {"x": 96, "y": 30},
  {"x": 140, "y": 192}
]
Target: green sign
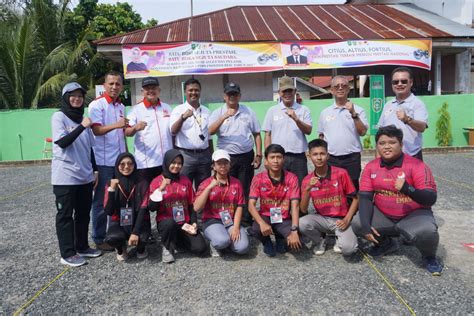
[{"x": 377, "y": 100}]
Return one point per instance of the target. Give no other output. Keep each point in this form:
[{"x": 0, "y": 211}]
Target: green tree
[{"x": 443, "y": 127}]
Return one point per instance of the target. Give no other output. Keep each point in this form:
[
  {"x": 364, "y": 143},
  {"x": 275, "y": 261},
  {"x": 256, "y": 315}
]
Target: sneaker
[
  {"x": 142, "y": 255},
  {"x": 123, "y": 256},
  {"x": 104, "y": 246},
  {"x": 320, "y": 249},
  {"x": 336, "y": 247},
  {"x": 268, "y": 248},
  {"x": 281, "y": 246},
  {"x": 151, "y": 240},
  {"x": 384, "y": 247},
  {"x": 214, "y": 251},
  {"x": 166, "y": 255},
  {"x": 90, "y": 253},
  {"x": 433, "y": 266},
  {"x": 74, "y": 261}
]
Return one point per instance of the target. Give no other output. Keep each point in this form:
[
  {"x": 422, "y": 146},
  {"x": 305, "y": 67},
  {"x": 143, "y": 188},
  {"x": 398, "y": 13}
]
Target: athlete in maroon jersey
[{"x": 396, "y": 195}]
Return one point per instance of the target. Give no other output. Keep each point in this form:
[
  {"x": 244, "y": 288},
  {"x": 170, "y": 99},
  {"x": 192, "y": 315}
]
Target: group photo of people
[{"x": 210, "y": 198}]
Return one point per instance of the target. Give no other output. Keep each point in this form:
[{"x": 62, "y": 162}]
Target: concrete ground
[{"x": 294, "y": 283}]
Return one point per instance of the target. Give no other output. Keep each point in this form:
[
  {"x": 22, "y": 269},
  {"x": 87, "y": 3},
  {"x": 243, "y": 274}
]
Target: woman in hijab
[
  {"x": 72, "y": 176},
  {"x": 172, "y": 198},
  {"x": 130, "y": 221}
]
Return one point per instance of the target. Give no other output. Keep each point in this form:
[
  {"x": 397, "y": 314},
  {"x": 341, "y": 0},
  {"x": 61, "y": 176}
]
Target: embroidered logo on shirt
[
  {"x": 373, "y": 175},
  {"x": 401, "y": 175}
]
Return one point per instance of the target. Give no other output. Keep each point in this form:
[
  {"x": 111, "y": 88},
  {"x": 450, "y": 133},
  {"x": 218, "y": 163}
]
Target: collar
[
  {"x": 109, "y": 99},
  {"x": 277, "y": 182},
  {"x": 389, "y": 165},
  {"x": 148, "y": 104},
  {"x": 328, "y": 174},
  {"x": 189, "y": 106},
  {"x": 238, "y": 109},
  {"x": 408, "y": 99},
  {"x": 294, "y": 106}
]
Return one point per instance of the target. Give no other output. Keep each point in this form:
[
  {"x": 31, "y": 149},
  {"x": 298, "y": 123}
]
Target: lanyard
[{"x": 126, "y": 197}]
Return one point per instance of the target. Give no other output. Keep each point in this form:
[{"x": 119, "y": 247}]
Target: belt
[
  {"x": 345, "y": 156},
  {"x": 294, "y": 154},
  {"x": 193, "y": 151}
]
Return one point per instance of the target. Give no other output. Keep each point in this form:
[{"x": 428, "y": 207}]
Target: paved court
[{"x": 296, "y": 283}]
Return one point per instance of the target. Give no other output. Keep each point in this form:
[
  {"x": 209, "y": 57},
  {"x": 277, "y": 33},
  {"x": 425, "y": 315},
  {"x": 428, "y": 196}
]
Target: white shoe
[
  {"x": 321, "y": 248},
  {"x": 214, "y": 251},
  {"x": 336, "y": 247},
  {"x": 166, "y": 255},
  {"x": 122, "y": 257}
]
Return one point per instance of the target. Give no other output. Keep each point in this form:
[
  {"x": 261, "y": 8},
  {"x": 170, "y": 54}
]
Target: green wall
[{"x": 34, "y": 125}]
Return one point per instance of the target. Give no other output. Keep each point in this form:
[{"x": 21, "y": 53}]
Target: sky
[{"x": 170, "y": 10}]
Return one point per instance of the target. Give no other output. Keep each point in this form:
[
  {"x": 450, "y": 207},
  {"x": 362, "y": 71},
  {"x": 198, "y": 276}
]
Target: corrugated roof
[{"x": 286, "y": 23}]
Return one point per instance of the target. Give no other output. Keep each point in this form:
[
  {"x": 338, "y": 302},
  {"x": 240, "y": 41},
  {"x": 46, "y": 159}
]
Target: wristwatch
[
  {"x": 354, "y": 116},
  {"x": 294, "y": 228}
]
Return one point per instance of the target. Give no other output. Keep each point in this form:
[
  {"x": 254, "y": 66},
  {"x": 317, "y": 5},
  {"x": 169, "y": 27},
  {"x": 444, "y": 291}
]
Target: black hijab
[
  {"x": 75, "y": 114},
  {"x": 170, "y": 155}
]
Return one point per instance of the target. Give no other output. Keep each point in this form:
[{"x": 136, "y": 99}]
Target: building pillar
[
  {"x": 437, "y": 73},
  {"x": 462, "y": 81}
]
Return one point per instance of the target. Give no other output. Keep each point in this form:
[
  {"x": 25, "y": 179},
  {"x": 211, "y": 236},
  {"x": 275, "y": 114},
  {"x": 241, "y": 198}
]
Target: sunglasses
[
  {"x": 403, "y": 81},
  {"x": 340, "y": 86}
]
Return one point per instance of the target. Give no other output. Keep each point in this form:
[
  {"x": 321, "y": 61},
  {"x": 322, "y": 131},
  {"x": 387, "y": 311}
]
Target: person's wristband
[
  {"x": 258, "y": 155},
  {"x": 354, "y": 116},
  {"x": 182, "y": 117}
]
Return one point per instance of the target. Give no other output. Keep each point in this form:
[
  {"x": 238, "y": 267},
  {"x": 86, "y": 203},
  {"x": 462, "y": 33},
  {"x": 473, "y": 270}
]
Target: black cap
[
  {"x": 231, "y": 87},
  {"x": 150, "y": 81}
]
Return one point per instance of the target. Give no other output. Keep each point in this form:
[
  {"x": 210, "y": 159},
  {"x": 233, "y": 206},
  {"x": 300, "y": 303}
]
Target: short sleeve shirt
[
  {"x": 235, "y": 135},
  {"x": 283, "y": 128},
  {"x": 176, "y": 193},
  {"x": 329, "y": 195},
  {"x": 188, "y": 136},
  {"x": 381, "y": 181},
  {"x": 155, "y": 140},
  {"x": 103, "y": 111},
  {"x": 416, "y": 109},
  {"x": 338, "y": 127},
  {"x": 275, "y": 196},
  {"x": 221, "y": 198}
]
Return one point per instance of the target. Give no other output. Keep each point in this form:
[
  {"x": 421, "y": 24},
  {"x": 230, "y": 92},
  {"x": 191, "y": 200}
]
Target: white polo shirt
[
  {"x": 283, "y": 128},
  {"x": 416, "y": 109},
  {"x": 338, "y": 127},
  {"x": 151, "y": 143},
  {"x": 235, "y": 135},
  {"x": 102, "y": 111},
  {"x": 193, "y": 126}
]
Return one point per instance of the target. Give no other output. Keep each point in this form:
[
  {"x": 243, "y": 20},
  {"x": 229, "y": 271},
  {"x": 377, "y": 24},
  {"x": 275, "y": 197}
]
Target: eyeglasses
[
  {"x": 123, "y": 164},
  {"x": 403, "y": 81},
  {"x": 340, "y": 86}
]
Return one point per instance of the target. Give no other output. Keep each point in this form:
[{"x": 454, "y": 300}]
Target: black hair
[
  {"x": 318, "y": 143},
  {"x": 191, "y": 81},
  {"x": 274, "y": 149},
  {"x": 390, "y": 131},
  {"x": 295, "y": 44},
  {"x": 113, "y": 73},
  {"x": 403, "y": 69}
]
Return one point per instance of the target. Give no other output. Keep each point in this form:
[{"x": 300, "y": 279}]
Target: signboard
[
  {"x": 204, "y": 58},
  {"x": 99, "y": 90},
  {"x": 377, "y": 100}
]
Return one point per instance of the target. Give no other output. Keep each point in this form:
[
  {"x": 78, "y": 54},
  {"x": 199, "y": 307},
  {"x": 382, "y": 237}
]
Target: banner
[
  {"x": 377, "y": 101},
  {"x": 196, "y": 58},
  {"x": 345, "y": 54},
  {"x": 200, "y": 58}
]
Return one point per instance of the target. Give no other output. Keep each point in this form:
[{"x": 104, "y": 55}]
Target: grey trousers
[
  {"x": 418, "y": 228},
  {"x": 312, "y": 225},
  {"x": 219, "y": 236}
]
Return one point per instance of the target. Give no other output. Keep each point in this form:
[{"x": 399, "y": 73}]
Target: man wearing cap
[
  {"x": 406, "y": 112},
  {"x": 149, "y": 122},
  {"x": 189, "y": 124},
  {"x": 238, "y": 130},
  {"x": 107, "y": 114},
  {"x": 341, "y": 125},
  {"x": 287, "y": 124}
]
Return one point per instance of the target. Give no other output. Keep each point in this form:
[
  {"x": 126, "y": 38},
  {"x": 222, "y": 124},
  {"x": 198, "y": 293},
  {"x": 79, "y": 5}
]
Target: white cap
[
  {"x": 71, "y": 86},
  {"x": 220, "y": 154}
]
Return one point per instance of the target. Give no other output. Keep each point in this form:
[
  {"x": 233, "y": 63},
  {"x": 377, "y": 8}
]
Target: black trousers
[
  {"x": 117, "y": 236},
  {"x": 297, "y": 164},
  {"x": 281, "y": 230},
  {"x": 242, "y": 169},
  {"x": 73, "y": 203},
  {"x": 351, "y": 162},
  {"x": 172, "y": 235},
  {"x": 419, "y": 155},
  {"x": 150, "y": 173}
]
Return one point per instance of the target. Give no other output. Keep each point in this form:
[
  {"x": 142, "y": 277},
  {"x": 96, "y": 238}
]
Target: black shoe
[{"x": 385, "y": 246}]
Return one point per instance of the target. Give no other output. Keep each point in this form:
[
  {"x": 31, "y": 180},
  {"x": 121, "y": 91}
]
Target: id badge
[
  {"x": 275, "y": 215},
  {"x": 178, "y": 213},
  {"x": 226, "y": 218},
  {"x": 126, "y": 216}
]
